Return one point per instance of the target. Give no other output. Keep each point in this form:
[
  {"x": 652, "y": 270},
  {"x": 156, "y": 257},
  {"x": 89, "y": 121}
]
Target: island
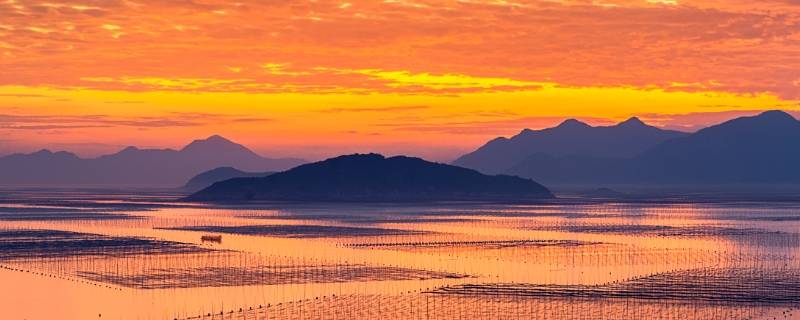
[{"x": 375, "y": 178}]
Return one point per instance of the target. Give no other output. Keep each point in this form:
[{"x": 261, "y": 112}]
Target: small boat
[{"x": 210, "y": 238}]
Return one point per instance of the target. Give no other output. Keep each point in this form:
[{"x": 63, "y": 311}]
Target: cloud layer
[
  {"x": 401, "y": 45},
  {"x": 432, "y": 77}
]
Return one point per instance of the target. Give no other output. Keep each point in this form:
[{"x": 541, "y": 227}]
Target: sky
[{"x": 435, "y": 79}]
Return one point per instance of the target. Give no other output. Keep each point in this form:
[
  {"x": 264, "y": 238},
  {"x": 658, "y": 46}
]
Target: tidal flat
[{"x": 128, "y": 255}]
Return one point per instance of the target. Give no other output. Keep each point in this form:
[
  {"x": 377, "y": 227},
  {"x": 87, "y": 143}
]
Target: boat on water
[{"x": 211, "y": 238}]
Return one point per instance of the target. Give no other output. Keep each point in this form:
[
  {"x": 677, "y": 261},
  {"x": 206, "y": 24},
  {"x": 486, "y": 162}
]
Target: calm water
[{"x": 103, "y": 255}]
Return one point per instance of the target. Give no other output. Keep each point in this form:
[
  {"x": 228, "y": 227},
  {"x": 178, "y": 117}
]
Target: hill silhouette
[
  {"x": 761, "y": 149},
  {"x": 133, "y": 166},
  {"x": 758, "y": 149},
  {"x": 570, "y": 138},
  {"x": 372, "y": 177},
  {"x": 206, "y": 179}
]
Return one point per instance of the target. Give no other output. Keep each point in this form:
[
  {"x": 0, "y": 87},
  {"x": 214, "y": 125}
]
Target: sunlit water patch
[{"x": 302, "y": 231}]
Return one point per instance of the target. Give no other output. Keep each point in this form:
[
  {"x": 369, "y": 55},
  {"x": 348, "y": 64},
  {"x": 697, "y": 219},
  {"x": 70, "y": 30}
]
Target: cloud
[
  {"x": 251, "y": 119},
  {"x": 373, "y": 109},
  {"x": 280, "y": 79},
  {"x": 174, "y": 119},
  {"x": 23, "y": 95},
  {"x": 409, "y": 47},
  {"x": 49, "y": 127},
  {"x": 124, "y": 102}
]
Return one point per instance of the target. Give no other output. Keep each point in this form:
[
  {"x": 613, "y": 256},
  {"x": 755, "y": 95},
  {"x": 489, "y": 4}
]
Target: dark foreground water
[{"x": 118, "y": 255}]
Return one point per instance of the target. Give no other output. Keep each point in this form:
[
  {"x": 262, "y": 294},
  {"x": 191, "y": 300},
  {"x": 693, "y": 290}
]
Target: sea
[{"x": 143, "y": 254}]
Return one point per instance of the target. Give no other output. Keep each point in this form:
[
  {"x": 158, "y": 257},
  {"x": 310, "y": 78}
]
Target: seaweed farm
[{"x": 118, "y": 255}]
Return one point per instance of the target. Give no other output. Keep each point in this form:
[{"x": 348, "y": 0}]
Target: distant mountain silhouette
[
  {"x": 372, "y": 177},
  {"x": 760, "y": 149},
  {"x": 573, "y": 170},
  {"x": 133, "y": 166},
  {"x": 570, "y": 138},
  {"x": 206, "y": 179},
  {"x": 41, "y": 167}
]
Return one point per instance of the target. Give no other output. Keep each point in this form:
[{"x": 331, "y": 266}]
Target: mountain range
[
  {"x": 570, "y": 138},
  {"x": 134, "y": 167},
  {"x": 761, "y": 149},
  {"x": 373, "y": 177}
]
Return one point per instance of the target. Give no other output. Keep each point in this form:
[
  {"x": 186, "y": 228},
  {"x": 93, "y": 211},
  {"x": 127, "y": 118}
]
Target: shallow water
[{"x": 127, "y": 255}]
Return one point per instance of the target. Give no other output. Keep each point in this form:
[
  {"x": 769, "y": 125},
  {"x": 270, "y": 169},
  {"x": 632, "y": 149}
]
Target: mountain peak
[
  {"x": 214, "y": 141},
  {"x": 776, "y": 115},
  {"x": 766, "y": 121},
  {"x": 573, "y": 123},
  {"x": 43, "y": 152},
  {"x": 217, "y": 137},
  {"x": 632, "y": 122},
  {"x": 358, "y": 157},
  {"x": 47, "y": 153}
]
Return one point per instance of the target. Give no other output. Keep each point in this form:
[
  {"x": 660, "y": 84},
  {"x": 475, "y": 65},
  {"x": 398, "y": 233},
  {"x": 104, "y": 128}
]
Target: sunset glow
[{"x": 430, "y": 78}]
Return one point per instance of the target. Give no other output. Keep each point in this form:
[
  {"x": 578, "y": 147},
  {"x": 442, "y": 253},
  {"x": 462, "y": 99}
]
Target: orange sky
[{"x": 429, "y": 78}]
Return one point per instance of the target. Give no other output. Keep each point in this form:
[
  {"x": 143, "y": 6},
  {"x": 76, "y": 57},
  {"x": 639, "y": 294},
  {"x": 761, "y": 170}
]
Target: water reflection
[{"x": 125, "y": 255}]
